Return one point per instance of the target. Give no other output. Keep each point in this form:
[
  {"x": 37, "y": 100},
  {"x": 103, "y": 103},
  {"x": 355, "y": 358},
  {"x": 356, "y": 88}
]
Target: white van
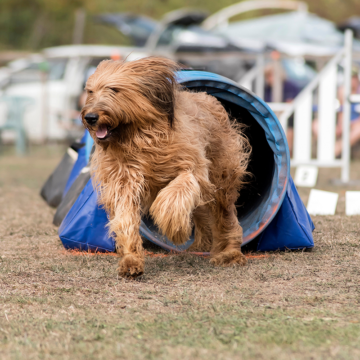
[{"x": 54, "y": 80}]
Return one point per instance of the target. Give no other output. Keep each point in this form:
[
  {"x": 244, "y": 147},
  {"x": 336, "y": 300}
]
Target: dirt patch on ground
[{"x": 56, "y": 304}]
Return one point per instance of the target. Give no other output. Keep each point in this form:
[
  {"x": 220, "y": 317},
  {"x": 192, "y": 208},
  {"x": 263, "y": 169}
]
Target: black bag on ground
[
  {"x": 52, "y": 190},
  {"x": 71, "y": 196}
]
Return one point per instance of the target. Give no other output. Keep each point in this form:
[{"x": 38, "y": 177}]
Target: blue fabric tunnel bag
[
  {"x": 269, "y": 207},
  {"x": 79, "y": 176},
  {"x": 55, "y": 186},
  {"x": 82, "y": 160}
]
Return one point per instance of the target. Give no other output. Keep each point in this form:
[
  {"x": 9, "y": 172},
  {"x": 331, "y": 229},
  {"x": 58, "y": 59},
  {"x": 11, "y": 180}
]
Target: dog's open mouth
[{"x": 103, "y": 132}]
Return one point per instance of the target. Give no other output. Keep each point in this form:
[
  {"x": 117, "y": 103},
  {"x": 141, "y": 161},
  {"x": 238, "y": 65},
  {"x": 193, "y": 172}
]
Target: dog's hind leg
[
  {"x": 173, "y": 207},
  {"x": 203, "y": 234},
  {"x": 227, "y": 232}
]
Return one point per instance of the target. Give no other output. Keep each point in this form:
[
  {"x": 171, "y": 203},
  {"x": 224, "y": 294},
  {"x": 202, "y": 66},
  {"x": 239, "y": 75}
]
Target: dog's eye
[
  {"x": 90, "y": 91},
  {"x": 114, "y": 90}
]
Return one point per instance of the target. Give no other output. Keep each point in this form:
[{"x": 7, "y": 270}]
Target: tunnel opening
[
  {"x": 255, "y": 194},
  {"x": 262, "y": 196},
  {"x": 261, "y": 165}
]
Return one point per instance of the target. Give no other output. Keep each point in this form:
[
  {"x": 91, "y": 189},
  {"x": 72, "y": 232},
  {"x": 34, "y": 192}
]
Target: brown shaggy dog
[{"x": 165, "y": 151}]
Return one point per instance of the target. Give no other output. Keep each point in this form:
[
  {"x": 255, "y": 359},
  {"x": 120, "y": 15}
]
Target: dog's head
[{"x": 123, "y": 97}]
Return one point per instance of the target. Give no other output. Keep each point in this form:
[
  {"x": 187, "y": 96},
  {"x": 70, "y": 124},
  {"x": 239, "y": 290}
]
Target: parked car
[
  {"x": 179, "y": 36},
  {"x": 55, "y": 79}
]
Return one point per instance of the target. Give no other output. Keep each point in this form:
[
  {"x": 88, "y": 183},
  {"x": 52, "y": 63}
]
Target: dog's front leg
[
  {"x": 125, "y": 224},
  {"x": 173, "y": 207}
]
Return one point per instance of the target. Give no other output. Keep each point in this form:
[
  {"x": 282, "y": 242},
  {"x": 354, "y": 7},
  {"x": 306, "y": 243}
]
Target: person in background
[
  {"x": 290, "y": 91},
  {"x": 76, "y": 113},
  {"x": 354, "y": 115}
]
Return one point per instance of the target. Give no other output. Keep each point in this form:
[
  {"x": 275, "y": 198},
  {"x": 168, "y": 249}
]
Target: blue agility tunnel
[{"x": 269, "y": 208}]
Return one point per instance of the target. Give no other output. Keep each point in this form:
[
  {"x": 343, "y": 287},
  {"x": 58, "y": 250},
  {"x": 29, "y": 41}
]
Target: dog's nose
[{"x": 91, "y": 118}]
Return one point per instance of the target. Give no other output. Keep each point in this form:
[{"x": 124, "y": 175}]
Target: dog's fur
[{"x": 171, "y": 153}]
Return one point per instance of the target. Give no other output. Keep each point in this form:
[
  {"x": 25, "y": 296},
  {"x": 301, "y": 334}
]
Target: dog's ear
[
  {"x": 158, "y": 83},
  {"x": 100, "y": 74}
]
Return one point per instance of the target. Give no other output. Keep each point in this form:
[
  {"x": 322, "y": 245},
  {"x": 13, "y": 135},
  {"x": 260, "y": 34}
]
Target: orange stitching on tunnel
[{"x": 147, "y": 253}]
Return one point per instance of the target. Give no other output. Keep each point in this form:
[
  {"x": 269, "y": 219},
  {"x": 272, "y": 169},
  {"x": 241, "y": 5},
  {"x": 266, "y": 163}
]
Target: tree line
[{"x": 35, "y": 24}]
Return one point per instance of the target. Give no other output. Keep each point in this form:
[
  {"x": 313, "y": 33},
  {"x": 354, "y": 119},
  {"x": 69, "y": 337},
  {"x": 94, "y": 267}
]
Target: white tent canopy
[{"x": 295, "y": 33}]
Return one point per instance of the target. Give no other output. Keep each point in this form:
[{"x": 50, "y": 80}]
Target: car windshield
[
  {"x": 57, "y": 68},
  {"x": 170, "y": 34},
  {"x": 32, "y": 73}
]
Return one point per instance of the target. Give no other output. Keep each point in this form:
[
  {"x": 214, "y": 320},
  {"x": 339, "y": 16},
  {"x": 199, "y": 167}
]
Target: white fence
[{"x": 322, "y": 91}]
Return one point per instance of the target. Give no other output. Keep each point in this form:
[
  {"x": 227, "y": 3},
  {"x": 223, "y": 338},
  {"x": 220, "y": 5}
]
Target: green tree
[{"x": 35, "y": 24}]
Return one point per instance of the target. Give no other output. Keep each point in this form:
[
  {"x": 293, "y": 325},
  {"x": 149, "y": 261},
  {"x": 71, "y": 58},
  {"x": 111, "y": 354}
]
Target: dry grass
[{"x": 60, "y": 305}]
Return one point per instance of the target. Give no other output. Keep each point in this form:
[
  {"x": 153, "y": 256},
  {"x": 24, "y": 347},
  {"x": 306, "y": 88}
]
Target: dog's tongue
[{"x": 101, "y": 132}]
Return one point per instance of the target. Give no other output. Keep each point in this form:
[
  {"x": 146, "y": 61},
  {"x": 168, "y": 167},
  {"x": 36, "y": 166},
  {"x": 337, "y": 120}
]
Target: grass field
[{"x": 60, "y": 305}]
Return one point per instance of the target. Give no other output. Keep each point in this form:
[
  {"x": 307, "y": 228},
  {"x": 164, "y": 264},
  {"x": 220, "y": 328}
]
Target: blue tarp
[
  {"x": 82, "y": 160},
  {"x": 279, "y": 220},
  {"x": 292, "y": 226},
  {"x": 84, "y": 227}
]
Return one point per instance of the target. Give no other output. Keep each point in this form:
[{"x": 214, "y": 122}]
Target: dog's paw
[
  {"x": 182, "y": 235},
  {"x": 173, "y": 207},
  {"x": 131, "y": 265},
  {"x": 172, "y": 220},
  {"x": 228, "y": 258}
]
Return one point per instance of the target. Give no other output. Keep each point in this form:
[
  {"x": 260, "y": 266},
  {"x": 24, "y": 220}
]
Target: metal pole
[
  {"x": 345, "y": 172},
  {"x": 44, "y": 69},
  {"x": 277, "y": 90},
  {"x": 78, "y": 34},
  {"x": 259, "y": 84}
]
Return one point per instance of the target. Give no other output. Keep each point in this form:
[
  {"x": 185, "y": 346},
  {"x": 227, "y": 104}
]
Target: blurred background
[
  {"x": 277, "y": 49},
  {"x": 31, "y": 25}
]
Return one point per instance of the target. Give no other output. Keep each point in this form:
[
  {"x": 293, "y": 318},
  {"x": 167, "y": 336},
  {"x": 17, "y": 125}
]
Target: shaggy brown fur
[{"x": 168, "y": 152}]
